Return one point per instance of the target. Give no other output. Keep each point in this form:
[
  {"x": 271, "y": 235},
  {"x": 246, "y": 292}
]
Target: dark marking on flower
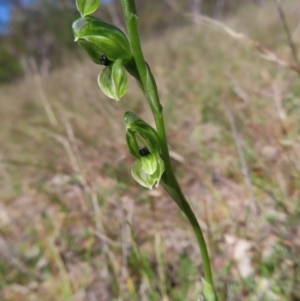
[
  {"x": 104, "y": 60},
  {"x": 143, "y": 151}
]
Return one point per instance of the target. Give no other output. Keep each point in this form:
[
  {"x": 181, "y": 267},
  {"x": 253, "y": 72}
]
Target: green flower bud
[
  {"x": 99, "y": 38},
  {"x": 86, "y": 7},
  {"x": 149, "y": 166},
  {"x": 143, "y": 131},
  {"x": 148, "y": 170},
  {"x": 113, "y": 80}
]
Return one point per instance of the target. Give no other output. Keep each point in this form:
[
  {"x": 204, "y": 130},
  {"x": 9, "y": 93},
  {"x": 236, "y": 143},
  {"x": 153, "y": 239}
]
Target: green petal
[
  {"x": 144, "y": 179},
  {"x": 149, "y": 164},
  {"x": 119, "y": 78},
  {"x": 159, "y": 170},
  {"x": 106, "y": 84},
  {"x": 142, "y": 129},
  {"x": 113, "y": 81},
  {"x": 100, "y": 38},
  {"x": 140, "y": 176},
  {"x": 132, "y": 144}
]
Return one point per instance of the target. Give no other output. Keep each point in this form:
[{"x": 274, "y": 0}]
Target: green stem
[
  {"x": 146, "y": 79},
  {"x": 175, "y": 192},
  {"x": 149, "y": 88}
]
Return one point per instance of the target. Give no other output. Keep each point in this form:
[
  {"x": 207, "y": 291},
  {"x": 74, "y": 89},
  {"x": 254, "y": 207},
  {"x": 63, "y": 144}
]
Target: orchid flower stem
[{"x": 148, "y": 85}]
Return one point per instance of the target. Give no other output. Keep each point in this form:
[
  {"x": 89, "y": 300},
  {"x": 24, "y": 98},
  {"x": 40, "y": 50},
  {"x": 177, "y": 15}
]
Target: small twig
[
  {"x": 106, "y": 240},
  {"x": 287, "y": 32},
  {"x": 265, "y": 52}
]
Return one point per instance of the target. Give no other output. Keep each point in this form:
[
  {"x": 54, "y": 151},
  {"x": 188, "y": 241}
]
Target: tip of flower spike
[
  {"x": 129, "y": 118},
  {"x": 101, "y": 38},
  {"x": 77, "y": 26},
  {"x": 86, "y": 7}
]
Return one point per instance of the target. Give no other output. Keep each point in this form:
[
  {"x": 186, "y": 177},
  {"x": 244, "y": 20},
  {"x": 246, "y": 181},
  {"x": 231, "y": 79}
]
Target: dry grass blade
[
  {"x": 126, "y": 222},
  {"x": 66, "y": 144},
  {"x": 287, "y": 31},
  {"x": 38, "y": 82},
  {"x": 245, "y": 169},
  {"x": 159, "y": 253}
]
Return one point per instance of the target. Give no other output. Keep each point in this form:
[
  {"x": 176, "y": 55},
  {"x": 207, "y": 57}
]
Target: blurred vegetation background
[
  {"x": 73, "y": 223},
  {"x": 40, "y": 29}
]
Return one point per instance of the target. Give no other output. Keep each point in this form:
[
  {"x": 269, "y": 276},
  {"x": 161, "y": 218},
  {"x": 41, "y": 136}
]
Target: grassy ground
[{"x": 75, "y": 226}]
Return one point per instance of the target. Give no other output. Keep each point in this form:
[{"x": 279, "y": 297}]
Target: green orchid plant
[
  {"x": 149, "y": 166},
  {"x": 107, "y": 45}
]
